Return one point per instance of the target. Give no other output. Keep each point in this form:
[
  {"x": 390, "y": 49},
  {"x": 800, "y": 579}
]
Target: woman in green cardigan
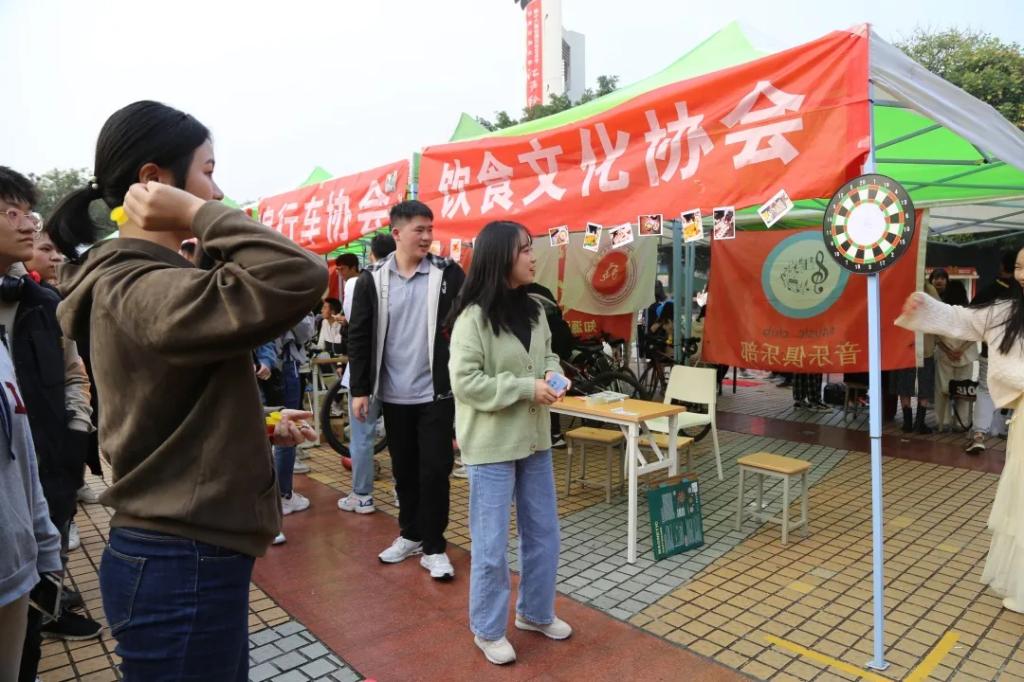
[{"x": 500, "y": 360}]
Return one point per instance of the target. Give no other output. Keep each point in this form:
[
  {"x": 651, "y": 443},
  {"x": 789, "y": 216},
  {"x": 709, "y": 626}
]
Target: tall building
[{"x": 555, "y": 63}]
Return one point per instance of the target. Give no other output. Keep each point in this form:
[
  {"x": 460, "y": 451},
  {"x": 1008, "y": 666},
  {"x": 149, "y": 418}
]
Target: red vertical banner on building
[{"x": 534, "y": 54}]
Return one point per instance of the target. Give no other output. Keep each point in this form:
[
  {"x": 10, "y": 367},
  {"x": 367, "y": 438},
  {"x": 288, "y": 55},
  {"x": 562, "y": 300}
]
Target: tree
[
  {"x": 605, "y": 85},
  {"x": 979, "y": 63},
  {"x": 55, "y": 184}
]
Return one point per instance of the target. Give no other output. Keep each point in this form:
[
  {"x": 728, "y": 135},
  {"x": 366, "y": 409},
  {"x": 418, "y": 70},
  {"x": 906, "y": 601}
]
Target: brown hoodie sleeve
[{"x": 262, "y": 285}]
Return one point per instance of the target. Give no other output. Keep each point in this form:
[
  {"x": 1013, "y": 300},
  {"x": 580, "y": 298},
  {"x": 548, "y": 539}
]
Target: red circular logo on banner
[{"x": 611, "y": 273}]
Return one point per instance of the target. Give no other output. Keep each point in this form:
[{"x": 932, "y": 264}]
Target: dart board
[{"x": 869, "y": 223}]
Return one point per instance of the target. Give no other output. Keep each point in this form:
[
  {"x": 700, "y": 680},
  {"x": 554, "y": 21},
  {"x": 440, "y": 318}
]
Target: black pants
[
  {"x": 420, "y": 443},
  {"x": 807, "y": 387}
]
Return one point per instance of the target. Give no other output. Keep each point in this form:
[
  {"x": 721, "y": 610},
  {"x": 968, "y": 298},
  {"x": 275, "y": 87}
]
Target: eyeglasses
[{"x": 16, "y": 216}]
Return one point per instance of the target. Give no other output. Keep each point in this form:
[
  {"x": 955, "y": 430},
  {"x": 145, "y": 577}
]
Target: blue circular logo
[{"x": 800, "y": 279}]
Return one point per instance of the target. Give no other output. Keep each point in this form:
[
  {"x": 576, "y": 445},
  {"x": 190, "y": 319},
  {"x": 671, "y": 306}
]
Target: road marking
[{"x": 934, "y": 657}]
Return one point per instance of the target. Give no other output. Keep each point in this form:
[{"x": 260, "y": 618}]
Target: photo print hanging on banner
[
  {"x": 775, "y": 208},
  {"x": 455, "y": 250},
  {"x": 650, "y": 225},
  {"x": 592, "y": 237},
  {"x": 621, "y": 235},
  {"x": 558, "y": 236},
  {"x": 724, "y": 219},
  {"x": 435, "y": 247},
  {"x": 693, "y": 226}
]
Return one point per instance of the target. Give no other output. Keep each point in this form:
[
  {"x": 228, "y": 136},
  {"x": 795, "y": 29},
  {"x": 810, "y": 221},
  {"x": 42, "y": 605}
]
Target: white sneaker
[
  {"x": 279, "y": 539},
  {"x": 498, "y": 651},
  {"x": 300, "y": 467},
  {"x": 556, "y": 629},
  {"x": 460, "y": 472},
  {"x": 439, "y": 566},
  {"x": 297, "y": 502},
  {"x": 400, "y": 550},
  {"x": 360, "y": 504},
  {"x": 87, "y": 495},
  {"x": 74, "y": 539}
]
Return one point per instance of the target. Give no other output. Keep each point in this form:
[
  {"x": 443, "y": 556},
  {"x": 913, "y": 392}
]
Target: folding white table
[{"x": 631, "y": 417}]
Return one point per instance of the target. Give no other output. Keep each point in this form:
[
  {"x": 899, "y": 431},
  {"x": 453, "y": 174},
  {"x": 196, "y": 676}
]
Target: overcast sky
[{"x": 352, "y": 84}]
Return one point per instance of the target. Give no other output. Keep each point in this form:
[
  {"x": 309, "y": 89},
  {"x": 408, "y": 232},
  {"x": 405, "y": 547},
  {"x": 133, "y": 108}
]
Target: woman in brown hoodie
[{"x": 194, "y": 494}]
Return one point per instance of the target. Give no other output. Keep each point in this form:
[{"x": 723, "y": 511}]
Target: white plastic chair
[{"x": 696, "y": 385}]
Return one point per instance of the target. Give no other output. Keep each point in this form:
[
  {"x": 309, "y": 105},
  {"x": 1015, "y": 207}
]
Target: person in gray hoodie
[{"x": 30, "y": 541}]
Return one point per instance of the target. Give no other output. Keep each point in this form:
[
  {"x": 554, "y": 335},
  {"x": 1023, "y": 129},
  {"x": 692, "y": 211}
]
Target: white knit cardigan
[{"x": 1005, "y": 370}]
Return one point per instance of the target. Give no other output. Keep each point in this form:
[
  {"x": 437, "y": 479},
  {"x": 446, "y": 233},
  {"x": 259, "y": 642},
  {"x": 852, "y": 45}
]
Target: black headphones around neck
[{"x": 12, "y": 288}]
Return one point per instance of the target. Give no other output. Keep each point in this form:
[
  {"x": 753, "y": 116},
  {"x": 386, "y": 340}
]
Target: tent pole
[
  {"x": 690, "y": 252},
  {"x": 677, "y": 288},
  {"x": 878, "y": 662}
]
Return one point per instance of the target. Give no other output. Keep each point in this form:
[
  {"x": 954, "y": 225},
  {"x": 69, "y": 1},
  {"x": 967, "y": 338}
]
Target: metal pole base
[{"x": 871, "y": 665}]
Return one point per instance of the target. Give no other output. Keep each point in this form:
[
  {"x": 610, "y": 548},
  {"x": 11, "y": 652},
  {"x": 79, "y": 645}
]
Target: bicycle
[
  {"x": 334, "y": 422},
  {"x": 654, "y": 381}
]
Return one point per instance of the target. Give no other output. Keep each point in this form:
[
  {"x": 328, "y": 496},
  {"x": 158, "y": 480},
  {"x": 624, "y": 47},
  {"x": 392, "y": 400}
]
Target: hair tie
[{"x": 94, "y": 184}]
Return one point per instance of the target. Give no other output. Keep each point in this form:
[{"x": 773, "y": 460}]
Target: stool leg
[
  {"x": 739, "y": 503},
  {"x": 760, "y": 493},
  {"x": 689, "y": 457},
  {"x": 568, "y": 467},
  {"x": 803, "y": 501},
  {"x": 583, "y": 460},
  {"x": 608, "y": 481},
  {"x": 785, "y": 509}
]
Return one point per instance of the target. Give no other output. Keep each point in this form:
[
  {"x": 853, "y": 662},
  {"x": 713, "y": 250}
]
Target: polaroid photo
[
  {"x": 455, "y": 250},
  {"x": 775, "y": 208},
  {"x": 592, "y": 237},
  {"x": 650, "y": 225},
  {"x": 558, "y": 236},
  {"x": 693, "y": 225},
  {"x": 724, "y": 219},
  {"x": 621, "y": 235}
]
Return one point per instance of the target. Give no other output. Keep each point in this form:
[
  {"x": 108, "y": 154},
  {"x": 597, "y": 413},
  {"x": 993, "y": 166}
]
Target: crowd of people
[
  {"x": 132, "y": 344},
  {"x": 176, "y": 350}
]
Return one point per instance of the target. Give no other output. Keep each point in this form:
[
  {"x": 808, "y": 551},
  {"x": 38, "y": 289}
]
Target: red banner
[
  {"x": 534, "y": 54},
  {"x": 323, "y": 217},
  {"x": 796, "y": 120},
  {"x": 778, "y": 301}
]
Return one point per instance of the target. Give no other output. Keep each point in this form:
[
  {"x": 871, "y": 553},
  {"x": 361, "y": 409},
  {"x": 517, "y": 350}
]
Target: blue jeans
[
  {"x": 178, "y": 608},
  {"x": 284, "y": 458},
  {"x": 360, "y": 447},
  {"x": 530, "y": 483}
]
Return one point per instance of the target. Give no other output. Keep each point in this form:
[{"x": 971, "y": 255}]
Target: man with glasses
[{"x": 57, "y": 400}]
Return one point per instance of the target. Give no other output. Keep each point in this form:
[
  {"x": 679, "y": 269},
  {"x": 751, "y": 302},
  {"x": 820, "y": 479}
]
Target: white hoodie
[{"x": 30, "y": 541}]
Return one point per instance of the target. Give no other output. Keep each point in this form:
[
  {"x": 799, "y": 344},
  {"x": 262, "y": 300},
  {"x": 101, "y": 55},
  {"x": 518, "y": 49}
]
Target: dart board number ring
[{"x": 869, "y": 223}]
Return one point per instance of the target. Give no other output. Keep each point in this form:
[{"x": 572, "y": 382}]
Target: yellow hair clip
[{"x": 119, "y": 216}]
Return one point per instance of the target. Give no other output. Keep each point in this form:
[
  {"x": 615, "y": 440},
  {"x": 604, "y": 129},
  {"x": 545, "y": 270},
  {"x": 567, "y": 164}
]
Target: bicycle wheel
[
  {"x": 619, "y": 382},
  {"x": 697, "y": 432},
  {"x": 334, "y": 422}
]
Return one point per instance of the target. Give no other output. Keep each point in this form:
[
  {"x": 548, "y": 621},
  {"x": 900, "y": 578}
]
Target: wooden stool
[
  {"x": 661, "y": 440},
  {"x": 588, "y": 434},
  {"x": 786, "y": 468}
]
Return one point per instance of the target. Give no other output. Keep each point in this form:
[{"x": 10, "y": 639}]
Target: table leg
[
  {"x": 673, "y": 450},
  {"x": 739, "y": 503},
  {"x": 632, "y": 452}
]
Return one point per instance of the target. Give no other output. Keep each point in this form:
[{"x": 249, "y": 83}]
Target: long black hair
[
  {"x": 140, "y": 133},
  {"x": 1013, "y": 325},
  {"x": 495, "y": 251}
]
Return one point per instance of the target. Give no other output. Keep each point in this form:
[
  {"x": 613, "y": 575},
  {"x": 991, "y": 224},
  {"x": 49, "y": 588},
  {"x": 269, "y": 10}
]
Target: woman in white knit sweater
[{"x": 1001, "y": 325}]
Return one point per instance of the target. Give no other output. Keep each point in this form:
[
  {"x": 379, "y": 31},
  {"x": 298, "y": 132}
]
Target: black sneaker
[
  {"x": 71, "y": 600},
  {"x": 558, "y": 441},
  {"x": 72, "y": 627}
]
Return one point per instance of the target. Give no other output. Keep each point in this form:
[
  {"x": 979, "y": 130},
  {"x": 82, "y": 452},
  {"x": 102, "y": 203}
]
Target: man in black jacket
[
  {"x": 41, "y": 362},
  {"x": 398, "y": 353}
]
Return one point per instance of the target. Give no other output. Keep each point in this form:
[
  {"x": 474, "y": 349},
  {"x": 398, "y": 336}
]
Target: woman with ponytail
[
  {"x": 194, "y": 493},
  {"x": 1000, "y": 324}
]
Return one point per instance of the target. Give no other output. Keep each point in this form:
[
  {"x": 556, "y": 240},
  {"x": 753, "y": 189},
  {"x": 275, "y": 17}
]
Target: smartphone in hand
[
  {"x": 45, "y": 596},
  {"x": 558, "y": 383}
]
